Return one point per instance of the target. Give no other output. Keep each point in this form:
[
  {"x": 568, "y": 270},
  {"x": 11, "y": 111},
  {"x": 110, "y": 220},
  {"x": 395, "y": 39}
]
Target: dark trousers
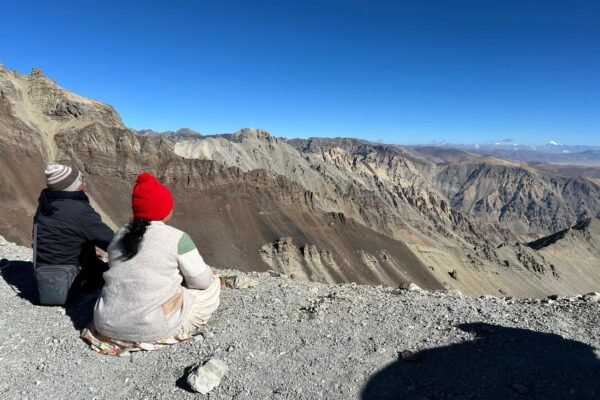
[{"x": 89, "y": 278}]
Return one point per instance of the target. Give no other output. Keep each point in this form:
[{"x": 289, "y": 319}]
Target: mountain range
[
  {"x": 549, "y": 153},
  {"x": 322, "y": 209}
]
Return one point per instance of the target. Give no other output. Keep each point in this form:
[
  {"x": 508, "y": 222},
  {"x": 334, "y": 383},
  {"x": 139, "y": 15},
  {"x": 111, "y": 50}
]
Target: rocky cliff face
[
  {"x": 523, "y": 199},
  {"x": 332, "y": 210},
  {"x": 460, "y": 213},
  {"x": 39, "y": 103}
]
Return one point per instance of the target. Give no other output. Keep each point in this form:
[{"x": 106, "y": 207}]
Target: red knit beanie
[{"x": 150, "y": 199}]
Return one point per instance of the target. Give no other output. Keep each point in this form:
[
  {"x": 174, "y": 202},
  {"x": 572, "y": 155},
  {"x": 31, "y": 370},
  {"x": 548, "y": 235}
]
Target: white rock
[
  {"x": 411, "y": 286},
  {"x": 240, "y": 282},
  {"x": 199, "y": 338},
  {"x": 207, "y": 377}
]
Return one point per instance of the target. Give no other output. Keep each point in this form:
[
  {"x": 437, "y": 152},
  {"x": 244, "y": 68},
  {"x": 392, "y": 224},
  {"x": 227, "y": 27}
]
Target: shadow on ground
[
  {"x": 19, "y": 275},
  {"x": 501, "y": 363},
  {"x": 182, "y": 382}
]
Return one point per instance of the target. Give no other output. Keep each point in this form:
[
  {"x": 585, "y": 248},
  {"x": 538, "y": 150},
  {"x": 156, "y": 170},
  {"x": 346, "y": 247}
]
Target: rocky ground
[{"x": 283, "y": 339}]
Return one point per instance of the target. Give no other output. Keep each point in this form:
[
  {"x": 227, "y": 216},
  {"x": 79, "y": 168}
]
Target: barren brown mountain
[{"x": 332, "y": 210}]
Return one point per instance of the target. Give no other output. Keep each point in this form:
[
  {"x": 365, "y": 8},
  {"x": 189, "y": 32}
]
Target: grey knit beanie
[{"x": 61, "y": 177}]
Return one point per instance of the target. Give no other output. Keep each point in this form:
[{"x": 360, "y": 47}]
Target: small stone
[
  {"x": 408, "y": 355},
  {"x": 199, "y": 338},
  {"x": 240, "y": 282},
  {"x": 413, "y": 287},
  {"x": 205, "y": 378}
]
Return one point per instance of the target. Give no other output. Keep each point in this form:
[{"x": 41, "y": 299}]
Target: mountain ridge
[{"x": 457, "y": 221}]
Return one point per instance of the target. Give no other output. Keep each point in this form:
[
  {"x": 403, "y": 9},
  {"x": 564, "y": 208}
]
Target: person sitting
[
  {"x": 158, "y": 288},
  {"x": 66, "y": 232}
]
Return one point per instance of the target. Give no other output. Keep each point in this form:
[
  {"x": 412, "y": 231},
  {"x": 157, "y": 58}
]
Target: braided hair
[{"x": 130, "y": 242}]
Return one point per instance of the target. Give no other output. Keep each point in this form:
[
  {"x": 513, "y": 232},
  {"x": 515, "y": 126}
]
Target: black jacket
[{"x": 68, "y": 228}]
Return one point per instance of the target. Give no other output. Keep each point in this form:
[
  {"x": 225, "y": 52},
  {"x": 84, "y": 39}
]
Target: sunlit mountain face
[{"x": 320, "y": 209}]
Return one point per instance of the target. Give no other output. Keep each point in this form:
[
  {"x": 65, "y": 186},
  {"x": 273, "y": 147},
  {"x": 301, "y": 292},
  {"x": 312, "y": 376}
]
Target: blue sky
[{"x": 396, "y": 71}]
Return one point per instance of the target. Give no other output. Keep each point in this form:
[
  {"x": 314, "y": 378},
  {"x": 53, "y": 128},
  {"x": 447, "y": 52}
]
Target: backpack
[{"x": 53, "y": 281}]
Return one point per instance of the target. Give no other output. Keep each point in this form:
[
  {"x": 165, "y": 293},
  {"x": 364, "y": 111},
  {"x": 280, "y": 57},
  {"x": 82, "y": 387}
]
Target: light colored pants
[{"x": 205, "y": 304}]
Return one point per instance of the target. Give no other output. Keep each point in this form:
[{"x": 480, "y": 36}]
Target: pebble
[
  {"x": 198, "y": 338},
  {"x": 408, "y": 355}
]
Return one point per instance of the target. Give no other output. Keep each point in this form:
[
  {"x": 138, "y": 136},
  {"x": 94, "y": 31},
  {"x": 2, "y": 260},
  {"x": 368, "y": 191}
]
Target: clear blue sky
[{"x": 396, "y": 71}]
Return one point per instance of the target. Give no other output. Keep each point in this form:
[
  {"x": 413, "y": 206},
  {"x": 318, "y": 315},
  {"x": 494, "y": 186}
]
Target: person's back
[
  {"x": 67, "y": 231},
  {"x": 158, "y": 288},
  {"x": 139, "y": 292}
]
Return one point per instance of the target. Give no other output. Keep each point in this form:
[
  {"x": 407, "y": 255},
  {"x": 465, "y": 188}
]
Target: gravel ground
[{"x": 284, "y": 339}]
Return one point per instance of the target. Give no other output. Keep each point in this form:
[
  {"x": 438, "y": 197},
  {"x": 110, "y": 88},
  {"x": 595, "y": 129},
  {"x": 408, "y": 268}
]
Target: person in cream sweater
[{"x": 158, "y": 289}]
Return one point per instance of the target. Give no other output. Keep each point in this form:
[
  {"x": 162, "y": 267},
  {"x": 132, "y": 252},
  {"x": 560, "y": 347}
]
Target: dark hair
[{"x": 130, "y": 242}]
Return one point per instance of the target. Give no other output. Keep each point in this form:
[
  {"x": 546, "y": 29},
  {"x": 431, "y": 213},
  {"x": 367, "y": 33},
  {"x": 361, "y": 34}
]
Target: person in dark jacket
[{"x": 67, "y": 231}]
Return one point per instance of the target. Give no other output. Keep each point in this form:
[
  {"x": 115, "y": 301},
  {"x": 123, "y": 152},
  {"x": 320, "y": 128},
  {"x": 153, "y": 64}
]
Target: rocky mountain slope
[
  {"x": 33, "y": 109},
  {"x": 285, "y": 339},
  {"x": 331, "y": 210},
  {"x": 576, "y": 247},
  {"x": 441, "y": 209},
  {"x": 590, "y": 172},
  {"x": 520, "y": 198}
]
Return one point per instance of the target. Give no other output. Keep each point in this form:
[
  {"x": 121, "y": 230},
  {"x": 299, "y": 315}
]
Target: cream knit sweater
[{"x": 143, "y": 298}]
